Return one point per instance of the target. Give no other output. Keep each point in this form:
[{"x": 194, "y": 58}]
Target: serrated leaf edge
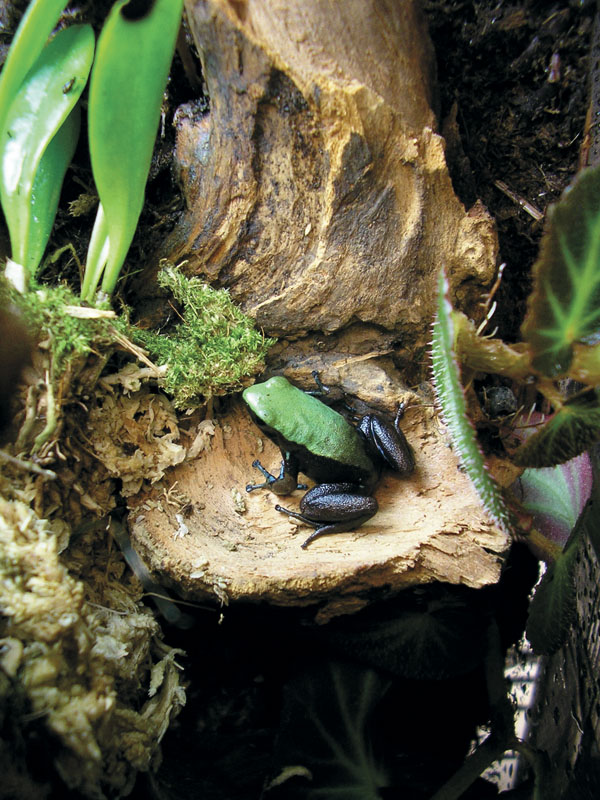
[{"x": 451, "y": 402}]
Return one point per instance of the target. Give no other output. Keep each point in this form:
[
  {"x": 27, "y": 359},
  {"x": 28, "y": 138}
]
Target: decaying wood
[
  {"x": 565, "y": 721},
  {"x": 317, "y": 192},
  {"x": 211, "y": 539},
  {"x": 316, "y": 187}
]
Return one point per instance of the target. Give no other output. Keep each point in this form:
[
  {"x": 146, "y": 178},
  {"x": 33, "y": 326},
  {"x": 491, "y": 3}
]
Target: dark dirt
[{"x": 516, "y": 78}]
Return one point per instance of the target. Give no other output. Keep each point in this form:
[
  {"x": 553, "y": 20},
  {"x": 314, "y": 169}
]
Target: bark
[
  {"x": 316, "y": 188},
  {"x": 565, "y": 722}
]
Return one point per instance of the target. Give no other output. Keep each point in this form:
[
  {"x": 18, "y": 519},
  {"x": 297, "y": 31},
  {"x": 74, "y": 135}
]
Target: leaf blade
[
  {"x": 42, "y": 105},
  {"x": 125, "y": 100},
  {"x": 564, "y": 306},
  {"x": 45, "y": 193},
  {"x": 31, "y": 35},
  {"x": 39, "y": 139},
  {"x": 450, "y": 396}
]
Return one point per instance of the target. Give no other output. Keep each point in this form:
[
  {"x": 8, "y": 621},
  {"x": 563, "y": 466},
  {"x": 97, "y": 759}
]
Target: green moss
[
  {"x": 214, "y": 349},
  {"x": 46, "y": 311}
]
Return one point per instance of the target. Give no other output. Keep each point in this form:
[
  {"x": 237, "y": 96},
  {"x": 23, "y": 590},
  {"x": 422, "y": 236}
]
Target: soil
[{"x": 515, "y": 76}]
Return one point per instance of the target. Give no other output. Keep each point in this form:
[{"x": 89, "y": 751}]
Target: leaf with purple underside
[{"x": 555, "y": 496}]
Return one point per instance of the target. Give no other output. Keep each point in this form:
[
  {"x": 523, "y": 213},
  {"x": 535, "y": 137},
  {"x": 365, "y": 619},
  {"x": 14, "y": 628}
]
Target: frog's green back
[{"x": 305, "y": 420}]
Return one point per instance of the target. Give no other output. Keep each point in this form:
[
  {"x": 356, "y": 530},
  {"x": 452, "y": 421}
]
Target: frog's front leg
[
  {"x": 333, "y": 508},
  {"x": 287, "y": 480}
]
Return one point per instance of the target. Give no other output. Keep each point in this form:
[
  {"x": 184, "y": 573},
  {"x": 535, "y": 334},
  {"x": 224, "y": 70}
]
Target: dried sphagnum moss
[
  {"x": 135, "y": 436},
  {"x": 79, "y": 656}
]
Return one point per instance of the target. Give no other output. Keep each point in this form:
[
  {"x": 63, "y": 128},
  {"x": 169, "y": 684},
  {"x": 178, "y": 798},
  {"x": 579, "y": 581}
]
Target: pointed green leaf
[
  {"x": 126, "y": 89},
  {"x": 45, "y": 193},
  {"x": 33, "y": 31},
  {"x": 571, "y": 431},
  {"x": 40, "y": 109},
  {"x": 564, "y": 307},
  {"x": 450, "y": 396},
  {"x": 42, "y": 104}
]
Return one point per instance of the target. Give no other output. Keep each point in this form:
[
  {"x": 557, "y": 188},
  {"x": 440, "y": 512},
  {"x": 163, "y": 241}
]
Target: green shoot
[
  {"x": 450, "y": 395},
  {"x": 126, "y": 88},
  {"x": 38, "y": 141}
]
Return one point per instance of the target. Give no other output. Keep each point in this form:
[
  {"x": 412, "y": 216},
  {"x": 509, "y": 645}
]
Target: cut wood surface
[{"x": 202, "y": 533}]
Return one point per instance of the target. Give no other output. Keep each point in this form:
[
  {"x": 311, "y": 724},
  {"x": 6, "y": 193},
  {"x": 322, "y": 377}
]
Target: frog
[{"x": 345, "y": 460}]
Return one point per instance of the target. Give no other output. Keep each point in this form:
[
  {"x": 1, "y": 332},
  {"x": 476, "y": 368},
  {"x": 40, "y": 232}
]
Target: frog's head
[{"x": 270, "y": 401}]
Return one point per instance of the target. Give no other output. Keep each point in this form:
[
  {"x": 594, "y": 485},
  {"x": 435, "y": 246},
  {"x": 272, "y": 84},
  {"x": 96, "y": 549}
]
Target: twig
[
  {"x": 138, "y": 352},
  {"x": 520, "y": 201}
]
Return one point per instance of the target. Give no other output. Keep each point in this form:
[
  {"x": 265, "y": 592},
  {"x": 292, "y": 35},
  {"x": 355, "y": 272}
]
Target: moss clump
[
  {"x": 214, "y": 349},
  {"x": 52, "y": 315}
]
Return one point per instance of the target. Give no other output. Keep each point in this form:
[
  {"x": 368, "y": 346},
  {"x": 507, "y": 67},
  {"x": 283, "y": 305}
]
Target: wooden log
[
  {"x": 316, "y": 187},
  {"x": 209, "y": 539}
]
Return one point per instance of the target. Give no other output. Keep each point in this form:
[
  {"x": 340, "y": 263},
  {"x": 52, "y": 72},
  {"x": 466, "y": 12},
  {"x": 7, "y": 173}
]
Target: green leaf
[
  {"x": 31, "y": 36},
  {"x": 45, "y": 193},
  {"x": 450, "y": 396},
  {"x": 555, "y": 496},
  {"x": 126, "y": 89},
  {"x": 326, "y": 731},
  {"x": 42, "y": 105},
  {"x": 574, "y": 428},
  {"x": 564, "y": 307},
  {"x": 554, "y": 607}
]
